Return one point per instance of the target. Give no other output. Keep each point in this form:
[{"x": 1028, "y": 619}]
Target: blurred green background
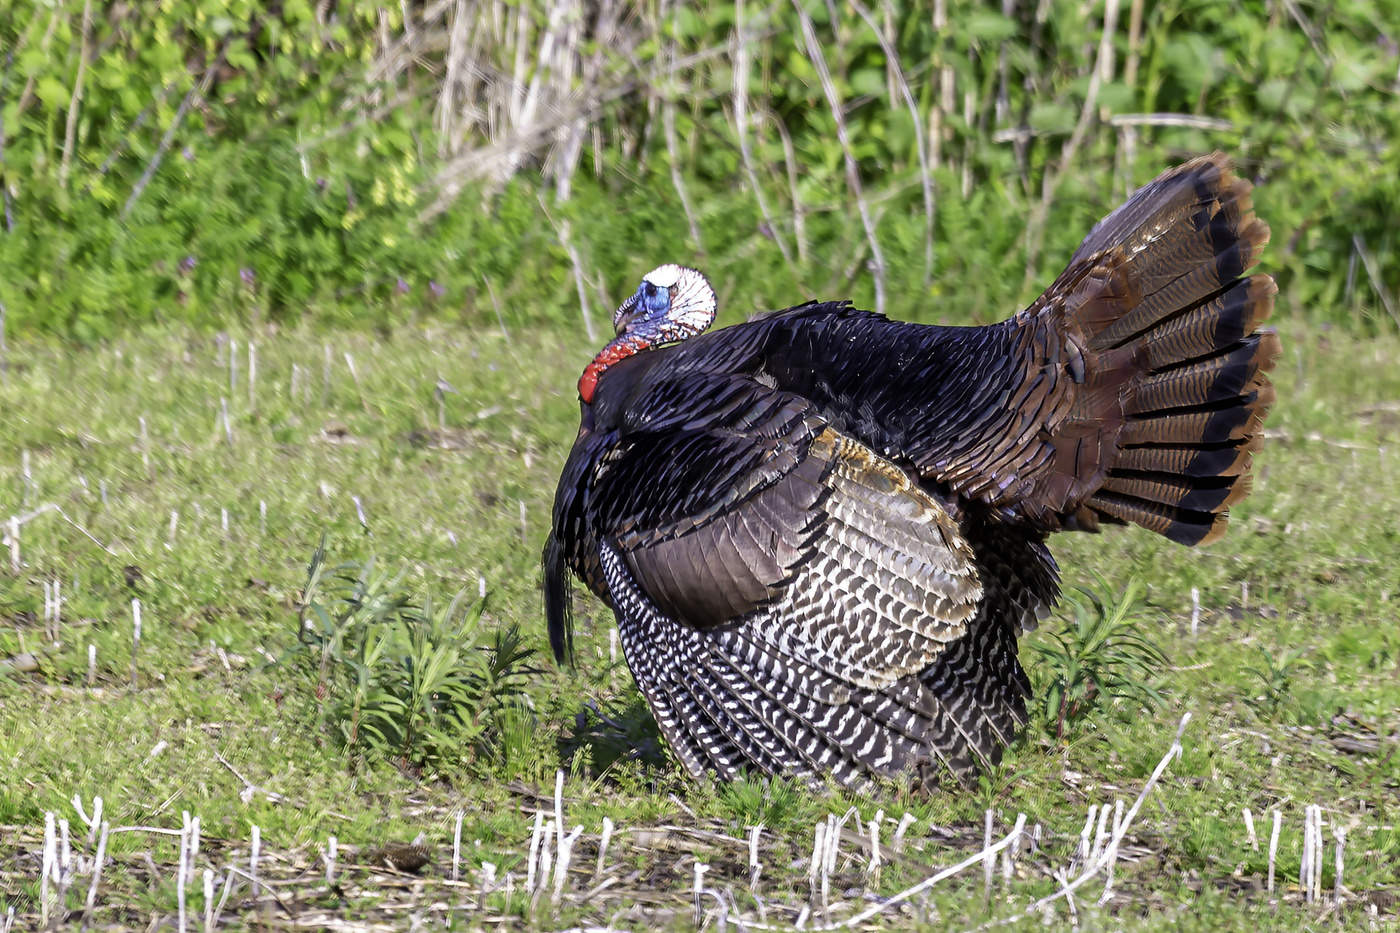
[{"x": 235, "y": 162}]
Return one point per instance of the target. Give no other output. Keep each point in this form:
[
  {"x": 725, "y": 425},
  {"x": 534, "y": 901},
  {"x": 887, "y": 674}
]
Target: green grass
[{"x": 1292, "y": 690}]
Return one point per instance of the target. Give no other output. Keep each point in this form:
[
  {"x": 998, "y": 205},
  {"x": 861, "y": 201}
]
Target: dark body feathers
[{"x": 822, "y": 531}]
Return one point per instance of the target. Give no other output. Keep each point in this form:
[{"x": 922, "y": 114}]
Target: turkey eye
[{"x": 651, "y": 290}]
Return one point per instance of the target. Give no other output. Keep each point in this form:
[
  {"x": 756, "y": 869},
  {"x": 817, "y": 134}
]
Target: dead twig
[
  {"x": 199, "y": 90},
  {"x": 814, "y": 52}
]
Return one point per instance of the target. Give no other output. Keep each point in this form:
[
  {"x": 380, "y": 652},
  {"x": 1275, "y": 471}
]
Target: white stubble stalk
[
  {"x": 457, "y": 846},
  {"x": 135, "y": 636},
  {"x": 603, "y": 848},
  {"x": 561, "y": 863},
  {"x": 208, "y": 900},
  {"x": 698, "y": 890},
  {"x": 814, "y": 868},
  {"x": 1273, "y": 848},
  {"x": 905, "y": 821},
  {"x": 1318, "y": 852},
  {"x": 872, "y": 869},
  {"x": 755, "y": 866},
  {"x": 1305, "y": 880},
  {"x": 989, "y": 861},
  {"x": 1084, "y": 834},
  {"x": 97, "y": 861},
  {"x": 1337, "y": 867},
  {"x": 180, "y": 871},
  {"x": 48, "y": 869},
  {"x": 145, "y": 446},
  {"x": 326, "y": 376},
  {"x": 254, "y": 850},
  {"x": 12, "y": 539},
  {"x": 228, "y": 423},
  {"x": 531, "y": 862}
]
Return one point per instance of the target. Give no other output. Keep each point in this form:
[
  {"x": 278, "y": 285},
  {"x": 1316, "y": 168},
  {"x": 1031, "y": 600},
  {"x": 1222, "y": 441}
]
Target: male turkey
[{"x": 822, "y": 531}]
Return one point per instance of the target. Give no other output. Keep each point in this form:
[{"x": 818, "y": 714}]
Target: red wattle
[
  {"x": 588, "y": 382},
  {"x": 619, "y": 349}
]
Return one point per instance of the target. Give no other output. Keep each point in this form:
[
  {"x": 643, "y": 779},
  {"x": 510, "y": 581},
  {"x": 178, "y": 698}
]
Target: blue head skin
[
  {"x": 671, "y": 304},
  {"x": 646, "y": 308}
]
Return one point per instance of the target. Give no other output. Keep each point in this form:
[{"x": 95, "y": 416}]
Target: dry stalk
[
  {"x": 668, "y": 120},
  {"x": 988, "y": 863},
  {"x": 943, "y": 101},
  {"x": 1373, "y": 274},
  {"x": 71, "y": 126},
  {"x": 814, "y": 52},
  {"x": 905, "y": 821},
  {"x": 799, "y": 213},
  {"x": 926, "y": 884},
  {"x": 1084, "y": 835},
  {"x": 199, "y": 90},
  {"x": 1337, "y": 867},
  {"x": 872, "y": 868},
  {"x": 1099, "y": 863},
  {"x": 530, "y": 863},
  {"x": 740, "y": 54},
  {"x": 1035, "y": 235},
  {"x": 603, "y": 848},
  {"x": 456, "y": 845},
  {"x": 97, "y": 864},
  {"x": 896, "y": 72},
  {"x": 562, "y": 228}
]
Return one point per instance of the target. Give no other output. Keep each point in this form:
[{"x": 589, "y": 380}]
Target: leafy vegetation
[
  {"x": 409, "y": 684},
  {"x": 1103, "y": 658},
  {"x": 214, "y": 163}
]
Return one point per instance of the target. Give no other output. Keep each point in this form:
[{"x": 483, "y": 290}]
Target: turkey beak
[{"x": 625, "y": 314}]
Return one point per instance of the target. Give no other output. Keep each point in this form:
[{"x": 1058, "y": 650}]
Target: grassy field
[{"x": 152, "y": 470}]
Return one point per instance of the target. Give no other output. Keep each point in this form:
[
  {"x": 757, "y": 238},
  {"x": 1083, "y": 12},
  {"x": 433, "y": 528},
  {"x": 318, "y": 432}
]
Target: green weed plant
[{"x": 425, "y": 686}]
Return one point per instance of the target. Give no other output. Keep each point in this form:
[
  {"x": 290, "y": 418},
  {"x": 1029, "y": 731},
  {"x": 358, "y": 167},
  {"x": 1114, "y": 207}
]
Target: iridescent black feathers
[{"x": 822, "y": 531}]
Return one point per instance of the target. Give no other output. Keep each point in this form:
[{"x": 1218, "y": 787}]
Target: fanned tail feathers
[{"x": 1171, "y": 304}]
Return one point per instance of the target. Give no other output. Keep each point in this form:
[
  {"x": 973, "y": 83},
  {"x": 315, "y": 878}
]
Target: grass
[{"x": 1292, "y": 676}]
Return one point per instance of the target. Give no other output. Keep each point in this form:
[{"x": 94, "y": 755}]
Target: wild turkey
[{"x": 822, "y": 531}]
